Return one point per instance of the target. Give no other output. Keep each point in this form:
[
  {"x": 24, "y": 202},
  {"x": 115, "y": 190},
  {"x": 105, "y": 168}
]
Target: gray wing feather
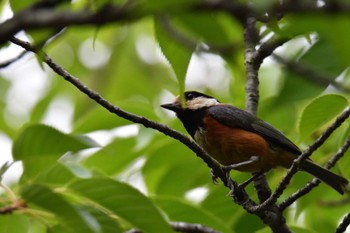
[{"x": 238, "y": 118}]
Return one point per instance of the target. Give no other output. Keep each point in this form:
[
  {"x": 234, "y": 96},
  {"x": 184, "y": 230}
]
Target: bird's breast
[{"x": 230, "y": 145}]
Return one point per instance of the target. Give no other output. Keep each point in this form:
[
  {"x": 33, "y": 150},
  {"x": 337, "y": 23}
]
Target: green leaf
[
  {"x": 326, "y": 27},
  {"x": 175, "y": 52},
  {"x": 167, "y": 6},
  {"x": 47, "y": 199},
  {"x": 107, "y": 223},
  {"x": 114, "y": 157},
  {"x": 163, "y": 168},
  {"x": 219, "y": 204},
  {"x": 124, "y": 201},
  {"x": 58, "y": 228},
  {"x": 184, "y": 176},
  {"x": 41, "y": 140},
  {"x": 319, "y": 112},
  {"x": 331, "y": 68},
  {"x": 13, "y": 223},
  {"x": 39, "y": 146},
  {"x": 210, "y": 28},
  {"x": 57, "y": 174},
  {"x": 99, "y": 118},
  {"x": 17, "y": 6},
  {"x": 247, "y": 223}
]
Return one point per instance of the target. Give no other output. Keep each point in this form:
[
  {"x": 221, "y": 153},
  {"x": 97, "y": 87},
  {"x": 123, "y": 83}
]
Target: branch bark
[
  {"x": 344, "y": 224},
  {"x": 272, "y": 217},
  {"x": 185, "y": 227},
  {"x": 310, "y": 74},
  {"x": 46, "y": 16},
  {"x": 331, "y": 163},
  {"x": 240, "y": 196}
]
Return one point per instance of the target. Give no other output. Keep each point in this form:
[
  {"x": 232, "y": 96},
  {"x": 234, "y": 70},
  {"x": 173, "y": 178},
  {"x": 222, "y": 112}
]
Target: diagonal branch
[
  {"x": 185, "y": 228},
  {"x": 310, "y": 74},
  {"x": 241, "y": 197},
  {"x": 191, "y": 228},
  {"x": 312, "y": 184},
  {"x": 344, "y": 224},
  {"x": 44, "y": 14},
  {"x": 10, "y": 61},
  {"x": 295, "y": 166}
]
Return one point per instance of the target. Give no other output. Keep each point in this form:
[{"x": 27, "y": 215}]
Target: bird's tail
[{"x": 335, "y": 181}]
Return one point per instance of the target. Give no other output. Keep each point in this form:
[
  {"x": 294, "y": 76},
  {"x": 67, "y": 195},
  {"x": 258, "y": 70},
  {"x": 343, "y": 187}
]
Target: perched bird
[{"x": 240, "y": 140}]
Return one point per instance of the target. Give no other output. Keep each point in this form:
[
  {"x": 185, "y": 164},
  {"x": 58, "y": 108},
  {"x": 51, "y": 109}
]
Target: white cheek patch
[{"x": 201, "y": 102}]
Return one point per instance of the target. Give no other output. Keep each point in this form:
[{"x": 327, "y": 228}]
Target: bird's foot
[
  {"x": 230, "y": 167},
  {"x": 214, "y": 177},
  {"x": 245, "y": 183}
]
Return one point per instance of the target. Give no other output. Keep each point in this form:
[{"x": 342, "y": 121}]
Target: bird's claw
[{"x": 214, "y": 177}]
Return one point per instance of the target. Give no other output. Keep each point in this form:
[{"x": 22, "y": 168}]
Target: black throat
[{"x": 192, "y": 119}]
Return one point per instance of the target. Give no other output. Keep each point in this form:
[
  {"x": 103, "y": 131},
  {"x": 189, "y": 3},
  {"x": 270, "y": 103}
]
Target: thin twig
[
  {"x": 191, "y": 228},
  {"x": 193, "y": 43},
  {"x": 9, "y": 62},
  {"x": 309, "y": 186},
  {"x": 295, "y": 166},
  {"x": 185, "y": 227},
  {"x": 9, "y": 191},
  {"x": 49, "y": 17},
  {"x": 310, "y": 74},
  {"x": 241, "y": 197},
  {"x": 335, "y": 203},
  {"x": 343, "y": 225},
  {"x": 268, "y": 47},
  {"x": 17, "y": 205}
]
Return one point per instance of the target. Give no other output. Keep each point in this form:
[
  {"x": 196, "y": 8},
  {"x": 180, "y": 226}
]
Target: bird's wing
[{"x": 238, "y": 118}]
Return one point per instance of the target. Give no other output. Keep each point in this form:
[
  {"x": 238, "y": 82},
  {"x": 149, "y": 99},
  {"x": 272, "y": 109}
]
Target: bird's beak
[{"x": 175, "y": 107}]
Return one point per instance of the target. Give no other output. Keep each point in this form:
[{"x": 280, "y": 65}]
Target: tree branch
[
  {"x": 240, "y": 196},
  {"x": 335, "y": 203},
  {"x": 17, "y": 205},
  {"x": 252, "y": 90},
  {"x": 344, "y": 224},
  {"x": 272, "y": 217},
  {"x": 9, "y": 62},
  {"x": 252, "y": 66},
  {"x": 295, "y": 166},
  {"x": 46, "y": 16},
  {"x": 185, "y": 227},
  {"x": 309, "y": 186},
  {"x": 310, "y": 74},
  {"x": 191, "y": 228}
]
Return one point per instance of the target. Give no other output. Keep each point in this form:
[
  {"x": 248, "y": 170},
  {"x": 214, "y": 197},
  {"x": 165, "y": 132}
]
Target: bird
[{"x": 241, "y": 141}]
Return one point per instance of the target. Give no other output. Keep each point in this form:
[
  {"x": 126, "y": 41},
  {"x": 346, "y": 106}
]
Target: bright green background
[{"x": 71, "y": 189}]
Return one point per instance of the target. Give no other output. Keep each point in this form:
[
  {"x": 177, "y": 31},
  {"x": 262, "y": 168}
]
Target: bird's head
[{"x": 193, "y": 101}]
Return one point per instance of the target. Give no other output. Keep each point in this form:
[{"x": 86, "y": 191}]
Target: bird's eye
[{"x": 189, "y": 96}]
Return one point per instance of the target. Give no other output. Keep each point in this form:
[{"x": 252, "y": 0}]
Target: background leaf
[
  {"x": 13, "y": 223},
  {"x": 177, "y": 55},
  {"x": 124, "y": 201},
  {"x": 45, "y": 198},
  {"x": 39, "y": 146},
  {"x": 320, "y": 111},
  {"x": 135, "y": 64}
]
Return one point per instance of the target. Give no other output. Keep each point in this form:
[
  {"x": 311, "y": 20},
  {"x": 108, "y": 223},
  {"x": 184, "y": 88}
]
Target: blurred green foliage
[{"x": 73, "y": 183}]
